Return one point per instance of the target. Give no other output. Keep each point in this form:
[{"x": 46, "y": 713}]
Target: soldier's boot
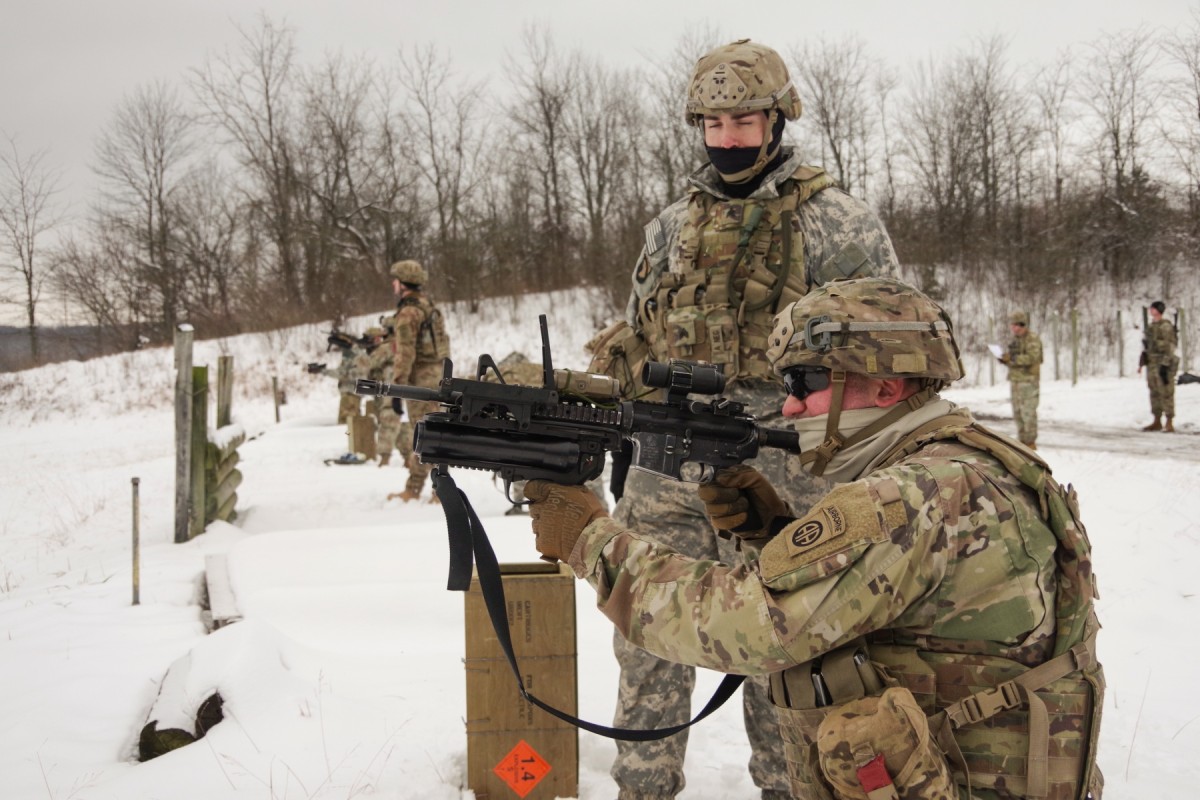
[
  {"x": 1170, "y": 426},
  {"x": 1155, "y": 426},
  {"x": 408, "y": 495},
  {"x": 384, "y": 458}
]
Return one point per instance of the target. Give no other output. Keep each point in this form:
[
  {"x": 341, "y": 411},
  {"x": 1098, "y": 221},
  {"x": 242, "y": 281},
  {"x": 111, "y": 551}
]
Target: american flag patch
[{"x": 655, "y": 238}]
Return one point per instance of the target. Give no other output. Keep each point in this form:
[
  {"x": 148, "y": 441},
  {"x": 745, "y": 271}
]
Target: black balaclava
[{"x": 731, "y": 160}]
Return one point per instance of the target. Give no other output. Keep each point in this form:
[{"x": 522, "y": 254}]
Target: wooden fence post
[
  {"x": 991, "y": 361},
  {"x": 1120, "y": 346},
  {"x": 224, "y": 390},
  {"x": 199, "y": 447},
  {"x": 183, "y": 430},
  {"x": 275, "y": 395},
  {"x": 1185, "y": 350},
  {"x": 1074, "y": 346}
]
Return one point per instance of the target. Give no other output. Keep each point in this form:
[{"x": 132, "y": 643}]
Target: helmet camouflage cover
[
  {"x": 738, "y": 77},
  {"x": 877, "y": 327},
  {"x": 410, "y": 272}
]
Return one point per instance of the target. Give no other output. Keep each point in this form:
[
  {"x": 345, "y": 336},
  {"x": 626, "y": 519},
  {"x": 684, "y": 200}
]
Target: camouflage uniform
[
  {"x": 390, "y": 431},
  {"x": 832, "y": 235},
  {"x": 947, "y": 565},
  {"x": 419, "y": 344},
  {"x": 347, "y": 374},
  {"x": 1161, "y": 364},
  {"x": 1024, "y": 361}
]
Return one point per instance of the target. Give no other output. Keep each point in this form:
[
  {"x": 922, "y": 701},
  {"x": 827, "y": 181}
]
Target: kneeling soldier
[{"x": 927, "y": 626}]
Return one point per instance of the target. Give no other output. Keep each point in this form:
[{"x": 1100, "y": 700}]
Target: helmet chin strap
[
  {"x": 766, "y": 152},
  {"x": 820, "y": 456}
]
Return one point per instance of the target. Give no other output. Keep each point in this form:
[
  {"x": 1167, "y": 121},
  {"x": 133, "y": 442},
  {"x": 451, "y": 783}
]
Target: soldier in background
[
  {"x": 1161, "y": 363},
  {"x": 345, "y": 373},
  {"x": 419, "y": 343},
  {"x": 1024, "y": 361},
  {"x": 756, "y": 230},
  {"x": 906, "y": 647}
]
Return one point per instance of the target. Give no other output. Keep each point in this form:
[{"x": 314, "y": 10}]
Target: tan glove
[
  {"x": 739, "y": 500},
  {"x": 560, "y": 513}
]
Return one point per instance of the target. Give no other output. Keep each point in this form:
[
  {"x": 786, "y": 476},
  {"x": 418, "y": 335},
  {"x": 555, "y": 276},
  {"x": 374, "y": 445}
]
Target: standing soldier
[
  {"x": 1024, "y": 361},
  {"x": 1159, "y": 359},
  {"x": 756, "y": 230},
  {"x": 419, "y": 343},
  {"x": 345, "y": 373}
]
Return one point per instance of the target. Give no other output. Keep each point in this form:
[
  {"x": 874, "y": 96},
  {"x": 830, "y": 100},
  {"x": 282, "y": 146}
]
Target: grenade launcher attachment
[{"x": 562, "y": 430}]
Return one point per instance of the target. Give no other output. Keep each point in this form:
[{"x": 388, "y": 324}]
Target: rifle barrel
[{"x": 380, "y": 389}]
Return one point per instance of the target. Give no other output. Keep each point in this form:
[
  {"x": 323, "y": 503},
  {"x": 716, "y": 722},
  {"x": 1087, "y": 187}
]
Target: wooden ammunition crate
[
  {"x": 360, "y": 430},
  {"x": 514, "y": 749}
]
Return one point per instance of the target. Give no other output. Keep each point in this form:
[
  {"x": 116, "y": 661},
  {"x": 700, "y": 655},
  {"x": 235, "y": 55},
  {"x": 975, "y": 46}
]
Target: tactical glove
[
  {"x": 559, "y": 514},
  {"x": 739, "y": 500}
]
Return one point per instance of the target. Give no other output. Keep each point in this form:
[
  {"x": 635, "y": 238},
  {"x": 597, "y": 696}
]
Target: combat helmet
[
  {"x": 740, "y": 77},
  {"x": 877, "y": 327},
  {"x": 410, "y": 272}
]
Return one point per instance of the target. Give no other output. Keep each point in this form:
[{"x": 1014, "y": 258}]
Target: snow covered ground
[{"x": 345, "y": 678}]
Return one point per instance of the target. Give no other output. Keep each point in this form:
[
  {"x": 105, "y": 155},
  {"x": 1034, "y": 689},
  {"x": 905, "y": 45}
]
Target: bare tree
[
  {"x": 675, "y": 149},
  {"x": 446, "y": 133},
  {"x": 834, "y": 80},
  {"x": 598, "y": 150},
  {"x": 142, "y": 156},
  {"x": 249, "y": 94},
  {"x": 207, "y": 243},
  {"x": 1182, "y": 131},
  {"x": 1120, "y": 88},
  {"x": 28, "y": 185},
  {"x": 544, "y": 82}
]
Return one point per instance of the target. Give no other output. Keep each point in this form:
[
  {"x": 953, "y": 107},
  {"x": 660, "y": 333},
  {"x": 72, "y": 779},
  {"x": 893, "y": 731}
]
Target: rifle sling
[{"x": 469, "y": 540}]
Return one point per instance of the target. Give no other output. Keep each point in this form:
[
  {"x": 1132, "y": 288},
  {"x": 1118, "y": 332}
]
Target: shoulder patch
[
  {"x": 655, "y": 238},
  {"x": 823, "y": 542}
]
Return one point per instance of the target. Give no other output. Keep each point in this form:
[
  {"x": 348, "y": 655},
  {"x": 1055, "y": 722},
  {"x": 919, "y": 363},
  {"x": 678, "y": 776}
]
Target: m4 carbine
[{"x": 562, "y": 430}]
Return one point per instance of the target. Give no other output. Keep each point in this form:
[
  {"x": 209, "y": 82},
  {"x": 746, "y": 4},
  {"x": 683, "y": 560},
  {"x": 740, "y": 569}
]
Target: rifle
[
  {"x": 339, "y": 339},
  {"x": 561, "y": 432}
]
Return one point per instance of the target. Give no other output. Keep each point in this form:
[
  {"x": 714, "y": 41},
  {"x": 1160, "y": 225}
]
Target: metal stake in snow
[{"x": 137, "y": 564}]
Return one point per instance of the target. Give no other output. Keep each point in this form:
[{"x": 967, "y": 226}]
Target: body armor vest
[
  {"x": 741, "y": 260},
  {"x": 432, "y": 342},
  {"x": 1008, "y": 728}
]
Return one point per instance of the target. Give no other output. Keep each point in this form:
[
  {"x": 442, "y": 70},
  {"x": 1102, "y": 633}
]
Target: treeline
[{"x": 263, "y": 191}]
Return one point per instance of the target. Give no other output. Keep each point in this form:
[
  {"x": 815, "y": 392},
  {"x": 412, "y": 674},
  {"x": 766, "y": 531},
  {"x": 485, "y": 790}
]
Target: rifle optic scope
[{"x": 685, "y": 376}]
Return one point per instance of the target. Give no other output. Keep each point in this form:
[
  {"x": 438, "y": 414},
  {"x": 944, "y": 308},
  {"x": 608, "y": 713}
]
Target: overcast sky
[{"x": 66, "y": 64}]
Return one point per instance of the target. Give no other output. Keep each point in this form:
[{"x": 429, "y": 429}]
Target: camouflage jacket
[
  {"x": 841, "y": 235},
  {"x": 419, "y": 341},
  {"x": 347, "y": 371},
  {"x": 944, "y": 545},
  {"x": 1160, "y": 345},
  {"x": 1024, "y": 358}
]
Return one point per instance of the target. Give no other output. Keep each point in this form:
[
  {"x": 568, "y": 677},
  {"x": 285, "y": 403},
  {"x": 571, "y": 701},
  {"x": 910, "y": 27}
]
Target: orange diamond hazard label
[{"x": 522, "y": 769}]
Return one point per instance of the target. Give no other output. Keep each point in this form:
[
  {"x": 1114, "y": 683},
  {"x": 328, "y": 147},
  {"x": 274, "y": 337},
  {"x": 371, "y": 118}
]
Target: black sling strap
[{"x": 469, "y": 544}]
